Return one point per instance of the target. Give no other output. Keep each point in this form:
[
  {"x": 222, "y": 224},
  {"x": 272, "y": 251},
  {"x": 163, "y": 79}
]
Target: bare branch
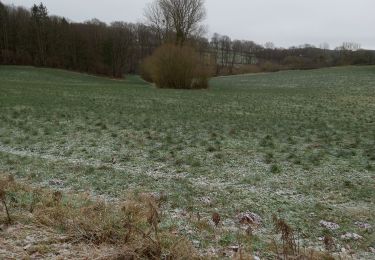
[{"x": 183, "y": 17}]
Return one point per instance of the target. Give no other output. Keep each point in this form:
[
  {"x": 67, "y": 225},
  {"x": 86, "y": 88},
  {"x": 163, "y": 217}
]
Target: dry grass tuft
[
  {"x": 289, "y": 245},
  {"x": 216, "y": 218},
  {"x": 290, "y": 248},
  {"x": 329, "y": 243},
  {"x": 3, "y": 197},
  {"x": 132, "y": 226}
]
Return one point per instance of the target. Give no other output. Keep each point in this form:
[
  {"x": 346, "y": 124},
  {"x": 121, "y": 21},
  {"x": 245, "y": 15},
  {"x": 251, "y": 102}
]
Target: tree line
[
  {"x": 236, "y": 56},
  {"x": 33, "y": 37}
]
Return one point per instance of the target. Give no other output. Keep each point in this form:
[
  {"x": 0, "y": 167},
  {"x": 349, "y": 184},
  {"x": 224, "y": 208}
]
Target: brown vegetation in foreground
[
  {"x": 71, "y": 226},
  {"x": 128, "y": 229}
]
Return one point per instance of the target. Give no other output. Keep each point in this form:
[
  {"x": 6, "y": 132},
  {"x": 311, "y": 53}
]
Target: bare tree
[
  {"x": 3, "y": 27},
  {"x": 121, "y": 47},
  {"x": 324, "y": 46},
  {"x": 215, "y": 48},
  {"x": 350, "y": 46},
  {"x": 225, "y": 45},
  {"x": 183, "y": 17},
  {"x": 39, "y": 15},
  {"x": 269, "y": 45},
  {"x": 236, "y": 53},
  {"x": 158, "y": 20}
]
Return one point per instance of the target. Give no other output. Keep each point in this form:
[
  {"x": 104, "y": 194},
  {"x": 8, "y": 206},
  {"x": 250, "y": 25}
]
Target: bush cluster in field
[{"x": 176, "y": 67}]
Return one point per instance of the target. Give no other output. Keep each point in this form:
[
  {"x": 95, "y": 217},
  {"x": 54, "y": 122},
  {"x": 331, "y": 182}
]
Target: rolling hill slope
[{"x": 298, "y": 144}]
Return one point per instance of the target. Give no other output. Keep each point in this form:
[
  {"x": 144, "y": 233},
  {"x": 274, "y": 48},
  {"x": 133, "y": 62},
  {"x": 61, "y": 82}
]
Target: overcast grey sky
[{"x": 284, "y": 22}]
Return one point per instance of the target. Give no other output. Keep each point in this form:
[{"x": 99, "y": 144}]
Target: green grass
[{"x": 299, "y": 144}]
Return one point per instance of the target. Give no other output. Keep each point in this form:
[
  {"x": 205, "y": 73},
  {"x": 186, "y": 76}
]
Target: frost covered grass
[{"x": 296, "y": 144}]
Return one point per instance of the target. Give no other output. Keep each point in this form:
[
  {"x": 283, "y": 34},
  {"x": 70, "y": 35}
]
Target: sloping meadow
[{"x": 295, "y": 145}]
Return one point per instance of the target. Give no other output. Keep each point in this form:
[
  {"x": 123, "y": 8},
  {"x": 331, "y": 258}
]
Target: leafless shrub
[
  {"x": 216, "y": 218},
  {"x": 290, "y": 248},
  {"x": 251, "y": 68},
  {"x": 3, "y": 201},
  {"x": 270, "y": 67},
  {"x": 176, "y": 67},
  {"x": 3, "y": 196},
  {"x": 145, "y": 69},
  {"x": 329, "y": 243}
]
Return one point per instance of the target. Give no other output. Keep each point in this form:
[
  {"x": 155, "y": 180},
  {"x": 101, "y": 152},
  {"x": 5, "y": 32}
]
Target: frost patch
[
  {"x": 329, "y": 225},
  {"x": 351, "y": 236},
  {"x": 249, "y": 218}
]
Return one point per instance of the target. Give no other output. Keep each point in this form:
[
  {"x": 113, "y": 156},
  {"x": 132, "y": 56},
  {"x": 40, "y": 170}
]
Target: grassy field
[{"x": 297, "y": 144}]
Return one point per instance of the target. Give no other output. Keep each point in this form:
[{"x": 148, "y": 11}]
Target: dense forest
[{"x": 33, "y": 37}]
